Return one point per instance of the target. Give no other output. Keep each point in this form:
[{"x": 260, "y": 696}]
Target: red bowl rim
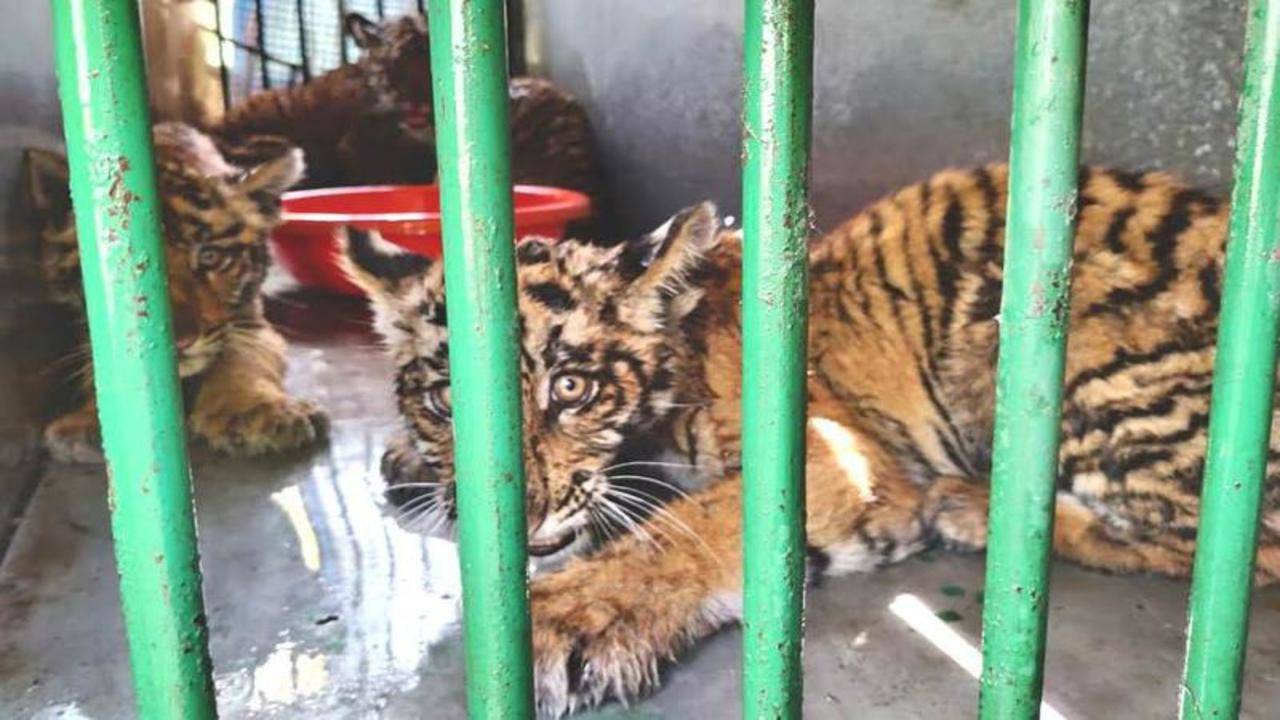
[{"x": 568, "y": 205}]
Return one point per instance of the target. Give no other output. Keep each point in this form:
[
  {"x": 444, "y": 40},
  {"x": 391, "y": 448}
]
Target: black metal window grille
[{"x": 280, "y": 43}]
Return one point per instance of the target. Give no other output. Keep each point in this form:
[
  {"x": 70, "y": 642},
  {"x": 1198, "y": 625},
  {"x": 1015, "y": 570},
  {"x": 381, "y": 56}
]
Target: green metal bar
[
  {"x": 469, "y": 67},
  {"x": 104, "y": 108},
  {"x": 778, "y": 48},
  {"x": 1034, "y": 312},
  {"x": 1243, "y": 387}
]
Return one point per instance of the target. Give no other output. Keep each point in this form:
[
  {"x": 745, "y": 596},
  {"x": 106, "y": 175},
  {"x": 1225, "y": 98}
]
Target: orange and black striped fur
[
  {"x": 372, "y": 122},
  {"x": 552, "y": 142},
  {"x": 351, "y": 122},
  {"x": 640, "y": 344},
  {"x": 216, "y": 221}
]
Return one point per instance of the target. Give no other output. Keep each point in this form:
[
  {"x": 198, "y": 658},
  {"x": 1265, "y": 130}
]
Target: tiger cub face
[
  {"x": 602, "y": 361},
  {"x": 216, "y": 222},
  {"x": 395, "y": 56}
]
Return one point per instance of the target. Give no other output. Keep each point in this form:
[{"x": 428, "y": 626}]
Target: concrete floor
[{"x": 320, "y": 607}]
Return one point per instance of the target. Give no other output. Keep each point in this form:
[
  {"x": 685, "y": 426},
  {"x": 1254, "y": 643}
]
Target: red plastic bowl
[{"x": 407, "y": 215}]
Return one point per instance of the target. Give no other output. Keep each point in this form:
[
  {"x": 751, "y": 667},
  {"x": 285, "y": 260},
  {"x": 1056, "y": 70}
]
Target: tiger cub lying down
[
  {"x": 372, "y": 121},
  {"x": 216, "y": 221},
  {"x": 642, "y": 341}
]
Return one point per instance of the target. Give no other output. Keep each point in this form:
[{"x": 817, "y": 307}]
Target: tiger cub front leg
[
  {"x": 955, "y": 509},
  {"x": 242, "y": 408},
  {"x": 75, "y": 437},
  {"x": 604, "y": 624}
]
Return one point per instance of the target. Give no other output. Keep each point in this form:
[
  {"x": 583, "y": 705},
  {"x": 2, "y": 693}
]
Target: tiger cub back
[{"x": 905, "y": 327}]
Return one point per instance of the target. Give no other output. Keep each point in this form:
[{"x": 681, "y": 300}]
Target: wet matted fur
[
  {"x": 643, "y": 341},
  {"x": 372, "y": 122},
  {"x": 216, "y": 221},
  {"x": 353, "y": 126}
]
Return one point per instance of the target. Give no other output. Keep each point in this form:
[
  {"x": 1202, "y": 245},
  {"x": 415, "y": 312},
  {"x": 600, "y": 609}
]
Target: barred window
[{"x": 275, "y": 43}]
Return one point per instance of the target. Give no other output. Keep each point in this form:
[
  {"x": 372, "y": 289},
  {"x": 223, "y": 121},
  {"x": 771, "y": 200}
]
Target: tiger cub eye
[
  {"x": 439, "y": 402},
  {"x": 572, "y": 390},
  {"x": 207, "y": 258}
]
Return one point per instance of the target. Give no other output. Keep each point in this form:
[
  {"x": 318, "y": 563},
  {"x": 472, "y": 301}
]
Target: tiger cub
[
  {"x": 349, "y": 125},
  {"x": 372, "y": 122},
  {"x": 643, "y": 341},
  {"x": 216, "y": 221}
]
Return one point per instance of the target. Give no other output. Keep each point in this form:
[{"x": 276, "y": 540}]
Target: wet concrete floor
[{"x": 321, "y": 607}]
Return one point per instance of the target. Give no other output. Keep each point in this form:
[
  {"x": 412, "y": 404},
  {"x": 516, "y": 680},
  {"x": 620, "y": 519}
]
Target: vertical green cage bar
[
  {"x": 1243, "y": 386},
  {"x": 778, "y": 47},
  {"x": 469, "y": 69},
  {"x": 104, "y": 108},
  {"x": 1034, "y": 312}
]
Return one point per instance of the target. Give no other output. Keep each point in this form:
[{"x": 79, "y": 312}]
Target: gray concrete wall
[
  {"x": 29, "y": 115},
  {"x": 902, "y": 88}
]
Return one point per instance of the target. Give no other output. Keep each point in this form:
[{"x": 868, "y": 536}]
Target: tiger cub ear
[
  {"x": 48, "y": 184},
  {"x": 383, "y": 270},
  {"x": 268, "y": 181},
  {"x": 364, "y": 31},
  {"x": 663, "y": 258},
  {"x": 253, "y": 150}
]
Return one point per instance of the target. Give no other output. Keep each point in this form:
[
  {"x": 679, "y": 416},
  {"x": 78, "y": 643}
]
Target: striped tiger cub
[
  {"x": 347, "y": 122},
  {"x": 216, "y": 220},
  {"x": 372, "y": 122},
  {"x": 639, "y": 345}
]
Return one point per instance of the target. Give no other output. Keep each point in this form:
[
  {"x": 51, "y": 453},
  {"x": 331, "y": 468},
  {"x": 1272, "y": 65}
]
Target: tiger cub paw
[
  {"x": 401, "y": 463},
  {"x": 585, "y": 652},
  {"x": 74, "y": 438},
  {"x": 956, "y": 512},
  {"x": 271, "y": 426}
]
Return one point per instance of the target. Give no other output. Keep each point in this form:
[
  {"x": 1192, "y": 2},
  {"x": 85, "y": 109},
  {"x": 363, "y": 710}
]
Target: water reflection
[
  {"x": 290, "y": 502},
  {"x": 386, "y": 595},
  {"x": 65, "y": 711},
  {"x": 286, "y": 676}
]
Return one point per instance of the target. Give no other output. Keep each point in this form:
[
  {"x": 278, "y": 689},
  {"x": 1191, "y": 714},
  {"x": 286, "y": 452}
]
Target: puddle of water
[{"x": 393, "y": 594}]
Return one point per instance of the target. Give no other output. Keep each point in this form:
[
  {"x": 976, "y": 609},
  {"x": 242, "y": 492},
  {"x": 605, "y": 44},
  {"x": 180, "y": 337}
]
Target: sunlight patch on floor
[{"x": 926, "y": 623}]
